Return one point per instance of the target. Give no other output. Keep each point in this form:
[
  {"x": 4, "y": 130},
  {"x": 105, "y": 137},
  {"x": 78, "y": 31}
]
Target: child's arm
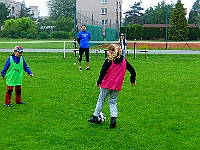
[
  {"x": 5, "y": 68},
  {"x": 26, "y": 68},
  {"x": 132, "y": 72}
]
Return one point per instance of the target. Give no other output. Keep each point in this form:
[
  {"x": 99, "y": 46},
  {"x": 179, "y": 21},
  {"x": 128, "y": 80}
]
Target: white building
[
  {"x": 108, "y": 13},
  {"x": 14, "y": 7},
  {"x": 34, "y": 10}
]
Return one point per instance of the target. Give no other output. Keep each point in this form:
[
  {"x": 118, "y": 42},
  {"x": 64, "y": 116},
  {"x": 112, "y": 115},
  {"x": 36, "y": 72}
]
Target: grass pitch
[{"x": 161, "y": 112}]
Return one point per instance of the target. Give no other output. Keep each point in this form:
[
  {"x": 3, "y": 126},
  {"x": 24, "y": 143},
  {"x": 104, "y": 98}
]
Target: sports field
[{"x": 161, "y": 112}]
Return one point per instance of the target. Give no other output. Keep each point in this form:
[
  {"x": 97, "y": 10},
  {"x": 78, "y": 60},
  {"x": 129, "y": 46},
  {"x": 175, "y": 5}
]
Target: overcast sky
[{"x": 125, "y": 5}]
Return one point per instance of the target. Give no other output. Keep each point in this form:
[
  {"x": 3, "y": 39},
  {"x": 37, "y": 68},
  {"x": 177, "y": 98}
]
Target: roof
[{"x": 164, "y": 25}]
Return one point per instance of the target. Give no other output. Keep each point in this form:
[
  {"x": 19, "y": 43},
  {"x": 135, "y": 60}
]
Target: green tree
[
  {"x": 178, "y": 30},
  {"x": 194, "y": 14},
  {"x": 45, "y": 25},
  {"x": 193, "y": 17},
  {"x": 134, "y": 16},
  {"x": 4, "y": 13},
  {"x": 25, "y": 11},
  {"x": 60, "y": 8},
  {"x": 64, "y": 24},
  {"x": 11, "y": 27},
  {"x": 157, "y": 14},
  {"x": 21, "y": 28}
]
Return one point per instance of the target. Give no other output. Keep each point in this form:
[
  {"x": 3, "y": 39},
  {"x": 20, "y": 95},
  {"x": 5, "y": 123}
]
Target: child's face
[
  {"x": 18, "y": 54},
  {"x": 111, "y": 52},
  {"x": 83, "y": 28}
]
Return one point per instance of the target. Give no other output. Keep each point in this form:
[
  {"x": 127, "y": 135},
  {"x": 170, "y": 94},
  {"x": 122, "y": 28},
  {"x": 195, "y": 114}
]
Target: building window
[
  {"x": 103, "y": 1},
  {"x": 104, "y": 11},
  {"x": 104, "y": 22}
]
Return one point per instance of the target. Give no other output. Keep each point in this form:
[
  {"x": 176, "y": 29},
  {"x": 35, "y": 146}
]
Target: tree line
[
  {"x": 172, "y": 14},
  {"x": 60, "y": 23}
]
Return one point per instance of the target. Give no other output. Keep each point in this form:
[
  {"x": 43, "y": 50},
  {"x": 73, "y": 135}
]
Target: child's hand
[
  {"x": 96, "y": 84},
  {"x": 134, "y": 84},
  {"x": 31, "y": 75}
]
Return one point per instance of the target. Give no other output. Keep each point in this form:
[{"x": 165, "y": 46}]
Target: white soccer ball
[{"x": 102, "y": 117}]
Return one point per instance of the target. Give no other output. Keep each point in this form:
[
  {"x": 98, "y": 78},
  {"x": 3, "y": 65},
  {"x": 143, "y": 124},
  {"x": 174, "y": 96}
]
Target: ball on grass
[{"x": 102, "y": 117}]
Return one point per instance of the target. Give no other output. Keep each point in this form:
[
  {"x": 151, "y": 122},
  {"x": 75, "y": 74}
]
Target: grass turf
[{"x": 161, "y": 112}]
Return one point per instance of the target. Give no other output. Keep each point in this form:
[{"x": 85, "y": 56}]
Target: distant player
[
  {"x": 123, "y": 44},
  {"x": 83, "y": 40}
]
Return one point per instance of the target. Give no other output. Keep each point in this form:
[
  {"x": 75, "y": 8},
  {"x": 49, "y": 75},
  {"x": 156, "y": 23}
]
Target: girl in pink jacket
[{"x": 110, "y": 80}]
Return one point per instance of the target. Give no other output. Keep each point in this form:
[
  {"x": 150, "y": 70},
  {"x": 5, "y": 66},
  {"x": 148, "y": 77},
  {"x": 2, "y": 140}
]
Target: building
[
  {"x": 15, "y": 7},
  {"x": 34, "y": 10},
  {"x": 105, "y": 13}
]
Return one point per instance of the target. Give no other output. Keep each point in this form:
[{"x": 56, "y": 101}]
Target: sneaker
[
  {"x": 80, "y": 69},
  {"x": 21, "y": 103},
  {"x": 94, "y": 119},
  {"x": 113, "y": 122},
  {"x": 88, "y": 68},
  {"x": 8, "y": 105}
]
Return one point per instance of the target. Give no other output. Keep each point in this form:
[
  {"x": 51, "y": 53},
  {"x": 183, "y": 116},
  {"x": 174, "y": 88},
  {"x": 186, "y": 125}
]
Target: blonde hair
[{"x": 117, "y": 52}]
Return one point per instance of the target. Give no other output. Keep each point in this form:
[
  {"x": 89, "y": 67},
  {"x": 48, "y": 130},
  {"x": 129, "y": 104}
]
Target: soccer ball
[{"x": 102, "y": 117}]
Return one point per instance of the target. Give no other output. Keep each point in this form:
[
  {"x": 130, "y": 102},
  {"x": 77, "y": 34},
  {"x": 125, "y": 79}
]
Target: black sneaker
[
  {"x": 21, "y": 103},
  {"x": 88, "y": 68},
  {"x": 8, "y": 105},
  {"x": 94, "y": 119},
  {"x": 113, "y": 122},
  {"x": 80, "y": 69}
]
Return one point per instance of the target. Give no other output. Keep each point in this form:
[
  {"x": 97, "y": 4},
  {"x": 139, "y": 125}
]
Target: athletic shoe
[
  {"x": 80, "y": 69},
  {"x": 94, "y": 119},
  {"x": 88, "y": 68},
  {"x": 21, "y": 103},
  {"x": 113, "y": 122},
  {"x": 8, "y": 105}
]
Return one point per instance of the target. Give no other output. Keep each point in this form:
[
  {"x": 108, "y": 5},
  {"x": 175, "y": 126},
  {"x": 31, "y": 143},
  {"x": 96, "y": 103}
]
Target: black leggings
[{"x": 81, "y": 51}]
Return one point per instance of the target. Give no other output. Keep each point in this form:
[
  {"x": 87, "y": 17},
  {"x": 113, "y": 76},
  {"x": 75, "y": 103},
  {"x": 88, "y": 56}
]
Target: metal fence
[{"x": 99, "y": 30}]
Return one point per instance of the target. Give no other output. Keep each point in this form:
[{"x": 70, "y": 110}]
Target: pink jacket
[{"x": 114, "y": 77}]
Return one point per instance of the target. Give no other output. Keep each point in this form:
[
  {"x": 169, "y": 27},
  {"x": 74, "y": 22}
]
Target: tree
[
  {"x": 20, "y": 28},
  {"x": 61, "y": 8},
  {"x": 194, "y": 14},
  {"x": 134, "y": 16},
  {"x": 64, "y": 24},
  {"x": 25, "y": 12},
  {"x": 178, "y": 30},
  {"x": 157, "y": 14},
  {"x": 4, "y": 13}
]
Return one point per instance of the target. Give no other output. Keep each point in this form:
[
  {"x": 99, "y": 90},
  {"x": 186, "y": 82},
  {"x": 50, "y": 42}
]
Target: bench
[
  {"x": 77, "y": 50},
  {"x": 127, "y": 51},
  {"x": 145, "y": 52}
]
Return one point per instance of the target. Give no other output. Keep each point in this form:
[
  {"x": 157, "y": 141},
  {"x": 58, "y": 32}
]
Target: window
[
  {"x": 103, "y": 1},
  {"x": 104, "y": 11},
  {"x": 104, "y": 22}
]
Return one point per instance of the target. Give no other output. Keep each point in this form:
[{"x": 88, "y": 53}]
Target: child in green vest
[{"x": 13, "y": 72}]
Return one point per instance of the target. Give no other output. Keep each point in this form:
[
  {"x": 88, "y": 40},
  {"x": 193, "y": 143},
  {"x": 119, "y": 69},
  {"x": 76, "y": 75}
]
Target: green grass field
[{"x": 161, "y": 112}]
